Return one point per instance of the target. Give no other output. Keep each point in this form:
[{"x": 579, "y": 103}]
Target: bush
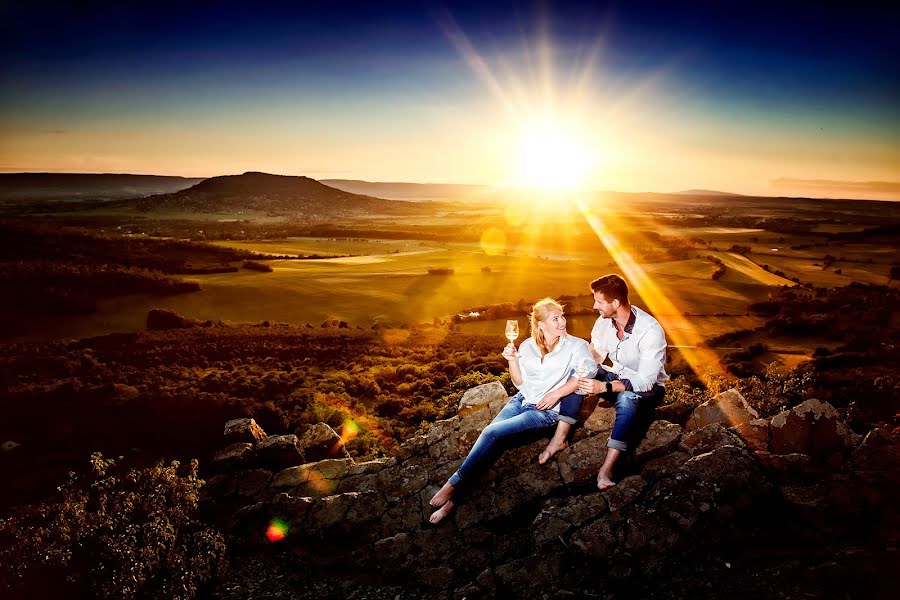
[{"x": 115, "y": 534}]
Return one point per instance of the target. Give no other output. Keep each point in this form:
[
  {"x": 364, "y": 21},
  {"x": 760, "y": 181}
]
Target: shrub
[{"x": 113, "y": 534}]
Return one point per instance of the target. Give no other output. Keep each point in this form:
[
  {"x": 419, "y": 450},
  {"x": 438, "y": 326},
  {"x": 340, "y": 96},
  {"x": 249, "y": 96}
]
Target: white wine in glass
[
  {"x": 582, "y": 369},
  {"x": 512, "y": 330}
]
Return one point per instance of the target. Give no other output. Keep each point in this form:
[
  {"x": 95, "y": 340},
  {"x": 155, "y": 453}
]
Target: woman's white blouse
[{"x": 541, "y": 377}]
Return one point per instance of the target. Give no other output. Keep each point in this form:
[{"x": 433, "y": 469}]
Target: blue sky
[{"x": 711, "y": 96}]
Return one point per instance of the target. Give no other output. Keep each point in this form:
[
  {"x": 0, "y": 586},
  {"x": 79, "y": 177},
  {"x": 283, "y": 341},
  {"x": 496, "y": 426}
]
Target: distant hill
[
  {"x": 87, "y": 186},
  {"x": 280, "y": 194},
  {"x": 707, "y": 193},
  {"x": 400, "y": 190}
]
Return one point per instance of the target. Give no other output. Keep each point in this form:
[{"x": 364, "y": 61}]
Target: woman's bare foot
[
  {"x": 438, "y": 515},
  {"x": 442, "y": 497},
  {"x": 603, "y": 481},
  {"x": 552, "y": 448}
]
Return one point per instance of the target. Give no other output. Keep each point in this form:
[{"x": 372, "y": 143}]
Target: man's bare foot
[
  {"x": 443, "y": 496},
  {"x": 552, "y": 448},
  {"x": 438, "y": 515},
  {"x": 603, "y": 481}
]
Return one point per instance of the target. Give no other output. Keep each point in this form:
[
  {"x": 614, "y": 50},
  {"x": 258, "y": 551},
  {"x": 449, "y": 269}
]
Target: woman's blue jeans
[{"x": 515, "y": 418}]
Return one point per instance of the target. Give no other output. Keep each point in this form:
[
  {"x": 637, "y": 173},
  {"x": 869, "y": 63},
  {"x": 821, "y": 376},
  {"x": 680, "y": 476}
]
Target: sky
[{"x": 777, "y": 99}]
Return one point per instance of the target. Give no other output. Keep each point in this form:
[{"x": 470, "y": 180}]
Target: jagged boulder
[
  {"x": 707, "y": 439},
  {"x": 243, "y": 430},
  {"x": 755, "y": 434},
  {"x": 320, "y": 441},
  {"x": 813, "y": 428},
  {"x": 279, "y": 451},
  {"x": 483, "y": 394},
  {"x": 728, "y": 408},
  {"x": 233, "y": 456}
]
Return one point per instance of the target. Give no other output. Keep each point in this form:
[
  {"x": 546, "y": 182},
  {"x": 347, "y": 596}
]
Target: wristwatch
[{"x": 608, "y": 386}]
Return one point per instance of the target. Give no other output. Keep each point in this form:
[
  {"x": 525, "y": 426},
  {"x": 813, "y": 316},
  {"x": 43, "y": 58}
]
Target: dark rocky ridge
[
  {"x": 280, "y": 194},
  {"x": 713, "y": 493}
]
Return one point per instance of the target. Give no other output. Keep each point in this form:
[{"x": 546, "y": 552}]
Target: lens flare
[
  {"x": 349, "y": 431},
  {"x": 277, "y": 530},
  {"x": 493, "y": 241}
]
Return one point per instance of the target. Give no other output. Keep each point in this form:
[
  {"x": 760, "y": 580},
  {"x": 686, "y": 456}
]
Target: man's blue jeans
[
  {"x": 628, "y": 413},
  {"x": 513, "y": 419}
]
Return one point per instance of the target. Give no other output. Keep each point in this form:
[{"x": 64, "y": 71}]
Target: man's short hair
[{"x": 612, "y": 287}]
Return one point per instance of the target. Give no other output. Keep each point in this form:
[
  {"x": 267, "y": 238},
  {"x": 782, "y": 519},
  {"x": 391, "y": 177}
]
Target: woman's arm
[
  {"x": 512, "y": 357},
  {"x": 551, "y": 398}
]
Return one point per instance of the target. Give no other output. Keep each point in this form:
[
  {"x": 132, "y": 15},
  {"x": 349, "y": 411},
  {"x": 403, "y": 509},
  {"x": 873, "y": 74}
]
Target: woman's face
[{"x": 553, "y": 325}]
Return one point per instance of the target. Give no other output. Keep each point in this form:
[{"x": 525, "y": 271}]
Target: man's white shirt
[
  {"x": 640, "y": 356},
  {"x": 542, "y": 377}
]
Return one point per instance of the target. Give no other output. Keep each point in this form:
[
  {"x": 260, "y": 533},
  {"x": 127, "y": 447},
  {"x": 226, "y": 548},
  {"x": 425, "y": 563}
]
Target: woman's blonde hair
[{"x": 539, "y": 312}]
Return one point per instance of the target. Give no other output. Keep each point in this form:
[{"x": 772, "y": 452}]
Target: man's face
[{"x": 606, "y": 309}]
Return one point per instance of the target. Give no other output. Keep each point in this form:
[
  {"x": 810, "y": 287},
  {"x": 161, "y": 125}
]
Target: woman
[{"x": 542, "y": 370}]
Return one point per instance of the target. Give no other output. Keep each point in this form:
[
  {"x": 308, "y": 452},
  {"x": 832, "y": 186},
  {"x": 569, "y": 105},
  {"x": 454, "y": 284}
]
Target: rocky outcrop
[
  {"x": 728, "y": 408},
  {"x": 526, "y": 524}
]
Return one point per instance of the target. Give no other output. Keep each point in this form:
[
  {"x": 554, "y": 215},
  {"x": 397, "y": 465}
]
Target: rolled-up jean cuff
[
  {"x": 566, "y": 419},
  {"x": 617, "y": 445},
  {"x": 455, "y": 479}
]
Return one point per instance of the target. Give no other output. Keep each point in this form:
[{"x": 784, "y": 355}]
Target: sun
[{"x": 552, "y": 158}]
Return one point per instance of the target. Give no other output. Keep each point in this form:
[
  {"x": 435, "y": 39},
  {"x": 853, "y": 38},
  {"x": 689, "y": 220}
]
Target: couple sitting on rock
[{"x": 626, "y": 360}]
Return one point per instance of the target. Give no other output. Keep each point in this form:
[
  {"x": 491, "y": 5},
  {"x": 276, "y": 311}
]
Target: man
[{"x": 630, "y": 346}]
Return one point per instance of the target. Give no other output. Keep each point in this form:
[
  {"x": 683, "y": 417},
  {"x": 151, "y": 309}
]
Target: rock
[
  {"x": 625, "y": 492},
  {"x": 664, "y": 466},
  {"x": 561, "y": 515},
  {"x": 601, "y": 420},
  {"x": 707, "y": 439},
  {"x": 243, "y": 430},
  {"x": 754, "y": 433},
  {"x": 812, "y": 427},
  {"x": 320, "y": 441},
  {"x": 879, "y": 452},
  {"x": 601, "y": 539},
  {"x": 402, "y": 481},
  {"x": 234, "y": 456},
  {"x": 529, "y": 577},
  {"x": 483, "y": 394},
  {"x": 280, "y": 451},
  {"x": 790, "y": 468},
  {"x": 394, "y": 551},
  {"x": 728, "y": 408},
  {"x": 661, "y": 437},
  {"x": 648, "y": 534},
  {"x": 581, "y": 461},
  {"x": 250, "y": 483},
  {"x": 437, "y": 578}
]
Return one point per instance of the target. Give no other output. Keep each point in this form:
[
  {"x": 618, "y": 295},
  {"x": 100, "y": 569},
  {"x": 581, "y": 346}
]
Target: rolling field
[{"x": 388, "y": 282}]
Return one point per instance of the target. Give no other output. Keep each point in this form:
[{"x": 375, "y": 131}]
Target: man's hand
[
  {"x": 509, "y": 352},
  {"x": 548, "y": 401},
  {"x": 590, "y": 386}
]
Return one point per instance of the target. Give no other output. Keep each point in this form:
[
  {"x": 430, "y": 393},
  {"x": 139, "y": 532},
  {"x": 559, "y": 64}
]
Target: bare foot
[
  {"x": 552, "y": 448},
  {"x": 443, "y": 496},
  {"x": 604, "y": 482},
  {"x": 438, "y": 515}
]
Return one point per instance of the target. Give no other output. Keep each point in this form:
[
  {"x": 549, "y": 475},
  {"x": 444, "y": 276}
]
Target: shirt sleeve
[
  {"x": 652, "y": 352},
  {"x": 583, "y": 352}
]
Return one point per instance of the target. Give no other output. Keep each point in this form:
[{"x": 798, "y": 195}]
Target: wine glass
[
  {"x": 582, "y": 369},
  {"x": 512, "y": 330}
]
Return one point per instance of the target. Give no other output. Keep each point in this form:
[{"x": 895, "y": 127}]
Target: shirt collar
[{"x": 629, "y": 326}]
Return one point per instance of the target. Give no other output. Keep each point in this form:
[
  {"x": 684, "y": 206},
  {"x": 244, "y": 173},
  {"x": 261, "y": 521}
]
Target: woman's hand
[
  {"x": 548, "y": 401},
  {"x": 509, "y": 352}
]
